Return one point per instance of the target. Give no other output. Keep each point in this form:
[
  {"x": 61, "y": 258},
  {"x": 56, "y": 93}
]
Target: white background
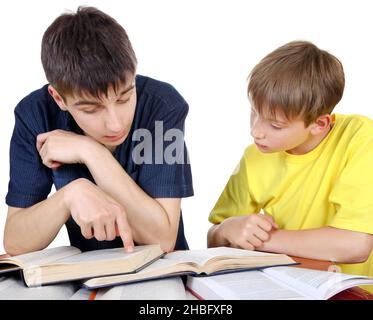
[{"x": 206, "y": 50}]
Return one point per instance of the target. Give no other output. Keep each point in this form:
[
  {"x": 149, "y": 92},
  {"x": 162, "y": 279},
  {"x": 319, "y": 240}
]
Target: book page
[
  {"x": 96, "y": 255},
  {"x": 202, "y": 256},
  {"x": 245, "y": 285},
  {"x": 158, "y": 268},
  {"x": 105, "y": 255},
  {"x": 13, "y": 288},
  {"x": 160, "y": 289},
  {"x": 45, "y": 256},
  {"x": 337, "y": 285},
  {"x": 315, "y": 283},
  {"x": 5, "y": 268}
]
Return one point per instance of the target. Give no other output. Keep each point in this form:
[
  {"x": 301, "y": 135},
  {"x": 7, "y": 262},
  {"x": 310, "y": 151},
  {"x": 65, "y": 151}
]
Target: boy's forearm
[
  {"x": 215, "y": 238},
  {"x": 332, "y": 244},
  {"x": 148, "y": 220},
  {"x": 34, "y": 228}
]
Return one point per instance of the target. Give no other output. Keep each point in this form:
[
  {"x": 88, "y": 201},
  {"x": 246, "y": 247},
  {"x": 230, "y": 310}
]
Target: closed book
[{"x": 68, "y": 263}]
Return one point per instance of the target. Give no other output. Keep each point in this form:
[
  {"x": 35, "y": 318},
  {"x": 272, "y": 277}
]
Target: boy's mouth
[
  {"x": 115, "y": 138},
  {"x": 260, "y": 146}
]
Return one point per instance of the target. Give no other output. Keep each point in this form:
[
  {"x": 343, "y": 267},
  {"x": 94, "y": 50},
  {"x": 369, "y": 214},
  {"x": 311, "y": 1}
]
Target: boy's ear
[
  {"x": 57, "y": 98},
  {"x": 321, "y": 124}
]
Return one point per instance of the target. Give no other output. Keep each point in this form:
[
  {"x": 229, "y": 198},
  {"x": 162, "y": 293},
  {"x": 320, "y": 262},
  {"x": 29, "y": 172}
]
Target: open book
[
  {"x": 197, "y": 262},
  {"x": 282, "y": 283},
  {"x": 69, "y": 263}
]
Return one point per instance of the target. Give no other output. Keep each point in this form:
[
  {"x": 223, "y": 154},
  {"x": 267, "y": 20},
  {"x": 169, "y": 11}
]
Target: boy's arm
[
  {"x": 215, "y": 238},
  {"x": 97, "y": 214},
  {"x": 332, "y": 244},
  {"x": 246, "y": 231},
  {"x": 327, "y": 243},
  {"x": 151, "y": 220},
  {"x": 34, "y": 228}
]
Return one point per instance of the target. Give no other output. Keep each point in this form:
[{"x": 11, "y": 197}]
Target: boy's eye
[
  {"x": 90, "y": 111},
  {"x": 275, "y": 127},
  {"x": 123, "y": 101}
]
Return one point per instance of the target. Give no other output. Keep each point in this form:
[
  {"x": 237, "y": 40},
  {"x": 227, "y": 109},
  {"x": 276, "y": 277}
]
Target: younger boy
[{"x": 309, "y": 170}]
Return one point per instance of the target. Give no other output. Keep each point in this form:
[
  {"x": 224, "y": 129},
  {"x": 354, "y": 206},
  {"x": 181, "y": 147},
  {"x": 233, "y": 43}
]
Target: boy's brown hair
[
  {"x": 299, "y": 79},
  {"x": 86, "y": 52}
]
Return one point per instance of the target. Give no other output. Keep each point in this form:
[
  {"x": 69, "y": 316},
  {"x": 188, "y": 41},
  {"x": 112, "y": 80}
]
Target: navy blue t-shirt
[{"x": 31, "y": 181}]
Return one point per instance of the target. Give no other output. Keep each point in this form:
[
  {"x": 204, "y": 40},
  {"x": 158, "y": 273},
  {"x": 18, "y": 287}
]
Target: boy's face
[
  {"x": 108, "y": 119},
  {"x": 279, "y": 134}
]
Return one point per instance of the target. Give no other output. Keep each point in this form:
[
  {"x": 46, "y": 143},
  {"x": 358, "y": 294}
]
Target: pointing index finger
[{"x": 125, "y": 233}]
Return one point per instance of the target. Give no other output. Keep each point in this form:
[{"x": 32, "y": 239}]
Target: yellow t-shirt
[{"x": 332, "y": 185}]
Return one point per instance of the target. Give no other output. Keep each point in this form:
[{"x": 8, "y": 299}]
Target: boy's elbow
[
  {"x": 361, "y": 255},
  {"x": 360, "y": 250},
  {"x": 7, "y": 244},
  {"x": 10, "y": 248},
  {"x": 14, "y": 248},
  {"x": 356, "y": 257},
  {"x": 168, "y": 245}
]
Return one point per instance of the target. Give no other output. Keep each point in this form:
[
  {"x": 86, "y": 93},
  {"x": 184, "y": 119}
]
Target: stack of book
[{"x": 215, "y": 273}]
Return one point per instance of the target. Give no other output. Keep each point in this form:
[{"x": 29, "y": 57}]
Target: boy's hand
[
  {"x": 249, "y": 231},
  {"x": 97, "y": 214},
  {"x": 58, "y": 147}
]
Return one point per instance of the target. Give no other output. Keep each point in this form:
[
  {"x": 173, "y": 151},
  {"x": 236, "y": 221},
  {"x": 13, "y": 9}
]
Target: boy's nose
[
  {"x": 256, "y": 133},
  {"x": 113, "y": 123},
  {"x": 114, "y": 127}
]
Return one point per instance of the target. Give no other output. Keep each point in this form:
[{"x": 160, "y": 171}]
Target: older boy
[
  {"x": 82, "y": 133},
  {"x": 310, "y": 171}
]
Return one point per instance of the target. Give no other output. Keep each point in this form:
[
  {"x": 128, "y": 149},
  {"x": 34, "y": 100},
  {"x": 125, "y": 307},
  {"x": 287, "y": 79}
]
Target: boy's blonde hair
[{"x": 299, "y": 79}]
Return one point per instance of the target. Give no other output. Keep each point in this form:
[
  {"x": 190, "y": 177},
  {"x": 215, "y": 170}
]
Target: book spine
[{"x": 23, "y": 278}]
